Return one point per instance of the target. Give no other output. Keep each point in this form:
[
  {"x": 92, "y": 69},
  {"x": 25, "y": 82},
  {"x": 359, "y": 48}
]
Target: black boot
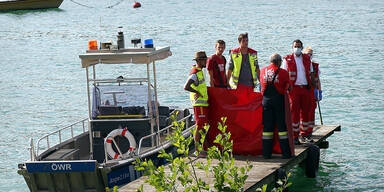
[
  {"x": 285, "y": 149},
  {"x": 267, "y": 148}
]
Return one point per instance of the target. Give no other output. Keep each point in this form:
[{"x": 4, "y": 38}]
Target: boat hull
[
  {"x": 83, "y": 175},
  {"x": 29, "y": 4},
  {"x": 60, "y": 176}
]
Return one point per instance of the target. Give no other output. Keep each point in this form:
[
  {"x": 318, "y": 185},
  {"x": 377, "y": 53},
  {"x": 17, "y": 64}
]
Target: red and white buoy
[{"x": 136, "y": 4}]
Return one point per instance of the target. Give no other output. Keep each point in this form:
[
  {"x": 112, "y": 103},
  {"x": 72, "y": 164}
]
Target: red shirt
[
  {"x": 216, "y": 64},
  {"x": 281, "y": 81}
]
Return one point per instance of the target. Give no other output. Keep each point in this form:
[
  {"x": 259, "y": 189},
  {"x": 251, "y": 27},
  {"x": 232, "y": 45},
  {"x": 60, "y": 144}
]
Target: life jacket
[
  {"x": 201, "y": 88},
  {"x": 237, "y": 59},
  {"x": 292, "y": 69}
]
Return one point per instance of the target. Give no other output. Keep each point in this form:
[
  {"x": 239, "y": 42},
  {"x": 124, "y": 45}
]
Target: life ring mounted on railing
[{"x": 110, "y": 139}]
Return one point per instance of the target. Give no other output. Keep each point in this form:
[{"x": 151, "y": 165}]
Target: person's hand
[{"x": 197, "y": 95}]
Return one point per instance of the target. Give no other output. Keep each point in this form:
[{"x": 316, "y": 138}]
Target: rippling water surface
[{"x": 43, "y": 86}]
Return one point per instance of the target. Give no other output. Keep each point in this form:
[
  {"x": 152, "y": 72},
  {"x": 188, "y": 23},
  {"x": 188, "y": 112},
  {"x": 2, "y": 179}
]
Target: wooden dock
[{"x": 263, "y": 171}]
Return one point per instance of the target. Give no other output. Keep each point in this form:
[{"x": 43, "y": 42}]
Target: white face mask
[{"x": 297, "y": 51}]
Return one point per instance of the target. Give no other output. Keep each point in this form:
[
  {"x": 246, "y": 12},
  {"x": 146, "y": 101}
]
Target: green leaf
[
  {"x": 179, "y": 151},
  {"x": 265, "y": 187},
  {"x": 242, "y": 170},
  {"x": 140, "y": 189}
]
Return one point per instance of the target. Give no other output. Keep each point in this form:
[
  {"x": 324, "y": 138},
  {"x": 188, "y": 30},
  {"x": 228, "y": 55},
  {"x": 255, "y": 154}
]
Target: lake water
[{"x": 43, "y": 86}]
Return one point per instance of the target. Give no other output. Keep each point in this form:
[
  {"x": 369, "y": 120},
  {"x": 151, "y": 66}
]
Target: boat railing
[
  {"x": 82, "y": 125},
  {"x": 139, "y": 151},
  {"x": 167, "y": 131},
  {"x": 120, "y": 80}
]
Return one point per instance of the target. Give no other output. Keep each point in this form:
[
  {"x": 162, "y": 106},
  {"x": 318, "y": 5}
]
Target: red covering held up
[{"x": 243, "y": 109}]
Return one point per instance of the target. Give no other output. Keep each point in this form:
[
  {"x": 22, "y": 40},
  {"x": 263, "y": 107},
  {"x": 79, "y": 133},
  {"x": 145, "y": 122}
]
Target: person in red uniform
[
  {"x": 274, "y": 85},
  {"x": 316, "y": 90},
  {"x": 216, "y": 66},
  {"x": 300, "y": 71}
]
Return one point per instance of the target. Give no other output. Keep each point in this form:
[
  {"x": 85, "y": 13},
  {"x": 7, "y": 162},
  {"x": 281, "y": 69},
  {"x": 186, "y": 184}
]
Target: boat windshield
[{"x": 126, "y": 100}]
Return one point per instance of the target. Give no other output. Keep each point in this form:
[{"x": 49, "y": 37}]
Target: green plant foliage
[
  {"x": 107, "y": 189},
  {"x": 181, "y": 172},
  {"x": 282, "y": 184},
  {"x": 227, "y": 176}
]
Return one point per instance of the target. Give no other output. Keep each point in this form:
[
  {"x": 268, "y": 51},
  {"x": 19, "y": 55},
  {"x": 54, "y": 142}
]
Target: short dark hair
[
  {"x": 242, "y": 36},
  {"x": 297, "y": 41},
  {"x": 221, "y": 42}
]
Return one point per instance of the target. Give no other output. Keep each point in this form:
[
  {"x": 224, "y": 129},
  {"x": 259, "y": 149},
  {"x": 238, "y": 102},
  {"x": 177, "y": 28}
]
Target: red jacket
[
  {"x": 292, "y": 70},
  {"x": 281, "y": 81}
]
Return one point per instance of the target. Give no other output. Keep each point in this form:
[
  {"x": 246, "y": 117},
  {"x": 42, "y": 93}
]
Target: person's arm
[
  {"x": 230, "y": 68},
  {"x": 318, "y": 85},
  {"x": 313, "y": 80},
  {"x": 188, "y": 87},
  {"x": 312, "y": 75},
  {"x": 257, "y": 68},
  {"x": 226, "y": 80},
  {"x": 285, "y": 80},
  {"x": 210, "y": 72},
  {"x": 258, "y": 72},
  {"x": 229, "y": 73}
]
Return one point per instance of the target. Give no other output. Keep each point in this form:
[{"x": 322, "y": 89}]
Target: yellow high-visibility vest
[
  {"x": 237, "y": 59},
  {"x": 201, "y": 88}
]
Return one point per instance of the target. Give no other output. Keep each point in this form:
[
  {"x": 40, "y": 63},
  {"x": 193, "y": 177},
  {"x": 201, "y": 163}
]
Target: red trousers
[
  {"x": 201, "y": 116},
  {"x": 300, "y": 99},
  {"x": 311, "y": 118}
]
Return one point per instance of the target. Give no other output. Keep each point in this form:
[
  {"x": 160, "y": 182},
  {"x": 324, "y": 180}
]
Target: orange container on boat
[{"x": 92, "y": 45}]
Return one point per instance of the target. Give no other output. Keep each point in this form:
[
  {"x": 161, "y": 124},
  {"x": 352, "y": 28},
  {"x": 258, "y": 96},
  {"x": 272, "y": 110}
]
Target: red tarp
[{"x": 243, "y": 110}]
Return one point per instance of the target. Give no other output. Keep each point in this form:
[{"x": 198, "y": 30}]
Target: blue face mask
[{"x": 297, "y": 51}]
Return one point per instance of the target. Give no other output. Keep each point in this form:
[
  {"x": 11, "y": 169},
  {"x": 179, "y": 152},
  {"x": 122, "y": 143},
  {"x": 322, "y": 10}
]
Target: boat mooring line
[{"x": 110, "y": 6}]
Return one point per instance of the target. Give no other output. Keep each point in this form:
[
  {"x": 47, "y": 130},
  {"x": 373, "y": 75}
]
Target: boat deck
[{"x": 263, "y": 171}]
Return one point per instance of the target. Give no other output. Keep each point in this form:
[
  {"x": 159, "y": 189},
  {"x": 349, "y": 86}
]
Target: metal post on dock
[{"x": 321, "y": 118}]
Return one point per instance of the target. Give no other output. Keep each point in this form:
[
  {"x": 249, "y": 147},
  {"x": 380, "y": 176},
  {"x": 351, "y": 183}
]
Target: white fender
[{"x": 109, "y": 140}]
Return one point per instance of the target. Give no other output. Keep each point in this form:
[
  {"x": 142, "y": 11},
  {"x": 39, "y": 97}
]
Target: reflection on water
[{"x": 31, "y": 11}]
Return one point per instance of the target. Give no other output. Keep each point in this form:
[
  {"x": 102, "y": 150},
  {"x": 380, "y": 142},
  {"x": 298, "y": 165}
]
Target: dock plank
[{"x": 263, "y": 171}]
